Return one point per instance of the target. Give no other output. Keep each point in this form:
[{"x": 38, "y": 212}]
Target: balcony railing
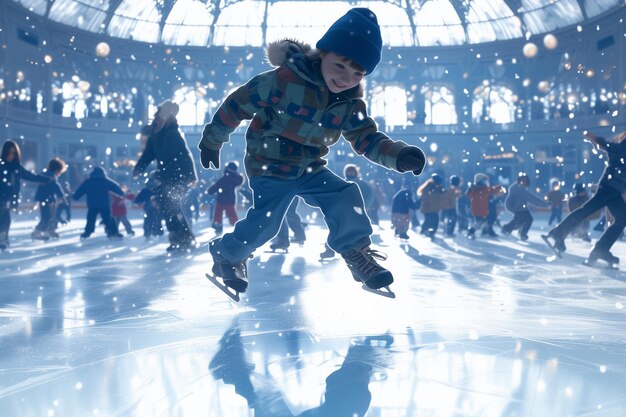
[{"x": 553, "y": 125}]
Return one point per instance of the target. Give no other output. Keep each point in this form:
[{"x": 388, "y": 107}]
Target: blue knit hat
[{"x": 355, "y": 35}]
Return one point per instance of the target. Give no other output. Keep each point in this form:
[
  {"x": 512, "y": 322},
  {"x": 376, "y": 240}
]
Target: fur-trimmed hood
[
  {"x": 278, "y": 52},
  {"x": 304, "y": 59}
]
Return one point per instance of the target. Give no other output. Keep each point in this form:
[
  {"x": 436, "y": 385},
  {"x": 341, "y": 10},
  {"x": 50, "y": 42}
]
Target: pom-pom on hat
[{"x": 355, "y": 35}]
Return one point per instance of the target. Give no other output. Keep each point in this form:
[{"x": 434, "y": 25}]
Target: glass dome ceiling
[{"x": 256, "y": 22}]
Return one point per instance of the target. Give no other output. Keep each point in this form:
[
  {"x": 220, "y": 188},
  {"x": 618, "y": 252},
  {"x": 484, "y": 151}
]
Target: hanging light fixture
[{"x": 530, "y": 50}]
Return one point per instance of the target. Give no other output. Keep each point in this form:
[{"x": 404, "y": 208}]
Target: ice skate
[
  {"x": 403, "y": 236},
  {"x": 40, "y": 235},
  {"x": 558, "y": 247},
  {"x": 298, "y": 240},
  {"x": 327, "y": 254},
  {"x": 604, "y": 255},
  {"x": 181, "y": 248},
  {"x": 362, "y": 263},
  {"x": 234, "y": 276},
  {"x": 115, "y": 236},
  {"x": 279, "y": 246}
]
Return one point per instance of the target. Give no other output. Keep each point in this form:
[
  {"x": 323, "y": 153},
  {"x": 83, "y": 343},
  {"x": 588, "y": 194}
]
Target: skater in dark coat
[
  {"x": 64, "y": 205},
  {"x": 11, "y": 175},
  {"x": 152, "y": 219},
  {"x": 177, "y": 172},
  {"x": 299, "y": 110},
  {"x": 97, "y": 188},
  {"x": 517, "y": 202},
  {"x": 556, "y": 198},
  {"x": 47, "y": 196},
  {"x": 609, "y": 194},
  {"x": 401, "y": 206},
  {"x": 226, "y": 201}
]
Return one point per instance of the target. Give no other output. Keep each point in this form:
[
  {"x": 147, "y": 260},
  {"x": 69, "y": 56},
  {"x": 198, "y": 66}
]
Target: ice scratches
[{"x": 58, "y": 373}]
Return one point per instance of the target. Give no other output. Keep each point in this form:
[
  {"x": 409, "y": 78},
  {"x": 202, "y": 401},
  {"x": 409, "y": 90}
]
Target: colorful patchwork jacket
[{"x": 295, "y": 118}]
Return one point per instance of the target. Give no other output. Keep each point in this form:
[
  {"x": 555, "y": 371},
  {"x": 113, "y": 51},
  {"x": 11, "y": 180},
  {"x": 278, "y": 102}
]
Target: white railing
[{"x": 552, "y": 125}]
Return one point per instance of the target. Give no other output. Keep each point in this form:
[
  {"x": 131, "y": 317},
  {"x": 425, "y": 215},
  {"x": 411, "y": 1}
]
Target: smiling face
[{"x": 340, "y": 74}]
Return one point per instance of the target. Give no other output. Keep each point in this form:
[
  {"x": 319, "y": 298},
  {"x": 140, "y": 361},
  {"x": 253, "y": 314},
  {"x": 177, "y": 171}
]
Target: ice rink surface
[{"x": 491, "y": 327}]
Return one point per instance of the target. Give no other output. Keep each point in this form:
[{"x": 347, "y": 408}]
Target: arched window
[
  {"x": 494, "y": 102},
  {"x": 389, "y": 103},
  {"x": 152, "y": 106},
  {"x": 439, "y": 105},
  {"x": 193, "y": 105},
  {"x": 72, "y": 96}
]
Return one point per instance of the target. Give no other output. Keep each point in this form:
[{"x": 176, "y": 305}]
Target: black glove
[
  {"x": 208, "y": 155},
  {"x": 411, "y": 159}
]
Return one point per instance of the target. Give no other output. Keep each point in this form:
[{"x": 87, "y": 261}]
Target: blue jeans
[
  {"x": 340, "y": 201},
  {"x": 291, "y": 221},
  {"x": 556, "y": 213}
]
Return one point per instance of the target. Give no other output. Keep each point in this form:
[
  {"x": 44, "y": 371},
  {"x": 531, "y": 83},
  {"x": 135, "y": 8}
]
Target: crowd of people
[
  {"x": 451, "y": 207},
  {"x": 446, "y": 208}
]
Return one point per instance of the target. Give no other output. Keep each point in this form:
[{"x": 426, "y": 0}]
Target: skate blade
[
  {"x": 385, "y": 293},
  {"x": 232, "y": 294},
  {"x": 327, "y": 260},
  {"x": 277, "y": 251},
  {"x": 551, "y": 246},
  {"x": 594, "y": 264}
]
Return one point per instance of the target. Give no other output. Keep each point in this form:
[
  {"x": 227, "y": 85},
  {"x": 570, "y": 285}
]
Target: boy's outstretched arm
[{"x": 241, "y": 105}]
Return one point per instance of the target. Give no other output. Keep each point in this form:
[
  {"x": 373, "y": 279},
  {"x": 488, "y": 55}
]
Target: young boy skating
[{"x": 298, "y": 111}]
